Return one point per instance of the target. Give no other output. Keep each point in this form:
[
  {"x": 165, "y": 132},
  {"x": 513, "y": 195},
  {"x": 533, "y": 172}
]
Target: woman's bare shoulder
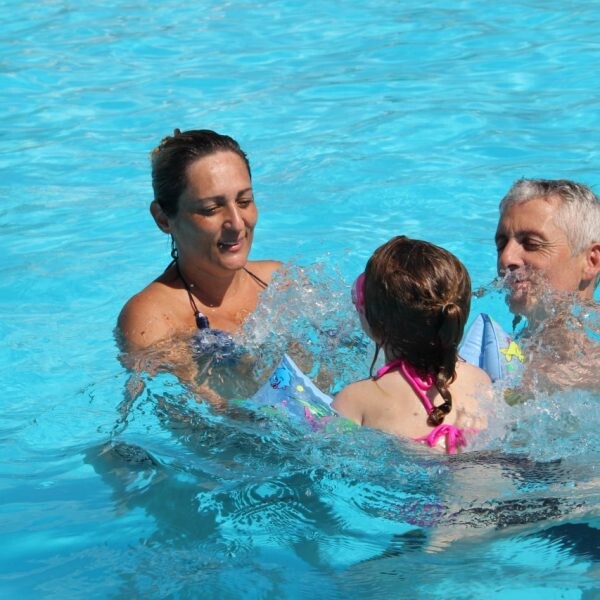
[
  {"x": 147, "y": 317},
  {"x": 264, "y": 268}
]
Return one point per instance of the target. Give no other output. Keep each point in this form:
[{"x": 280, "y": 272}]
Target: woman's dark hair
[
  {"x": 417, "y": 301},
  {"x": 175, "y": 153}
]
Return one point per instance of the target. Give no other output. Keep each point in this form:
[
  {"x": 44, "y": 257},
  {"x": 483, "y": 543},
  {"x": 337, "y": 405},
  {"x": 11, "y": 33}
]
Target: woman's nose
[
  {"x": 510, "y": 257},
  {"x": 234, "y": 219}
]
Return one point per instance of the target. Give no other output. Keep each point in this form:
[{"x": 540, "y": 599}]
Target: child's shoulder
[
  {"x": 474, "y": 386},
  {"x": 470, "y": 373},
  {"x": 350, "y": 401},
  {"x": 353, "y": 392}
]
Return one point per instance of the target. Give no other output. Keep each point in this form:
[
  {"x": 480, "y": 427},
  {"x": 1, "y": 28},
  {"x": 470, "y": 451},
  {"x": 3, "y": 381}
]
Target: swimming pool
[{"x": 361, "y": 122}]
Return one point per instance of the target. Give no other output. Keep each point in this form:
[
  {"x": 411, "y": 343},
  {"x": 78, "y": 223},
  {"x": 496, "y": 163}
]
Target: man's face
[{"x": 535, "y": 255}]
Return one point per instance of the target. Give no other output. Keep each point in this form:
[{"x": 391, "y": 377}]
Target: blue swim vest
[{"x": 488, "y": 346}]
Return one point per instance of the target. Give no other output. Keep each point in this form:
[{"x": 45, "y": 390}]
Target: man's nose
[{"x": 510, "y": 257}]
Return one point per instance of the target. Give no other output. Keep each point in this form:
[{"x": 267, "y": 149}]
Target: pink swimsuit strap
[
  {"x": 454, "y": 435},
  {"x": 419, "y": 384}
]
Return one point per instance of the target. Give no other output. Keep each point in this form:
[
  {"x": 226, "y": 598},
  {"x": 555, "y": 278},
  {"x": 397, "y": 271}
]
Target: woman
[{"x": 203, "y": 199}]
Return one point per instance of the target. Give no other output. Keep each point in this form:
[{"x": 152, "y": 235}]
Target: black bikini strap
[
  {"x": 256, "y": 278},
  {"x": 201, "y": 319}
]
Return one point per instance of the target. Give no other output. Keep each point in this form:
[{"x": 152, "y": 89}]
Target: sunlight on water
[{"x": 362, "y": 121}]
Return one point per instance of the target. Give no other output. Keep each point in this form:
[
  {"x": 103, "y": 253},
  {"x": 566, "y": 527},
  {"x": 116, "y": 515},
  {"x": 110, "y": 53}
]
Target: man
[
  {"x": 548, "y": 237},
  {"x": 548, "y": 244}
]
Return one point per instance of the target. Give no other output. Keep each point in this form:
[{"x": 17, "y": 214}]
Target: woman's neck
[{"x": 208, "y": 288}]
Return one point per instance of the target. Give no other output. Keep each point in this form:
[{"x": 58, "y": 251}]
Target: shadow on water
[
  {"x": 579, "y": 538},
  {"x": 241, "y": 484}
]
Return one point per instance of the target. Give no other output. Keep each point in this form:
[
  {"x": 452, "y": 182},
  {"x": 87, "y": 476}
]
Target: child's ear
[{"x": 159, "y": 216}]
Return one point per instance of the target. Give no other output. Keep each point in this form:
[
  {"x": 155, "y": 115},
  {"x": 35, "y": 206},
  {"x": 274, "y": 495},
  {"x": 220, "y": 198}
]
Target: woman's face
[{"x": 216, "y": 215}]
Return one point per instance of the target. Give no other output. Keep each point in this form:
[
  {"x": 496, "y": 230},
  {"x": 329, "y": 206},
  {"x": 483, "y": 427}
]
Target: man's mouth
[
  {"x": 520, "y": 284},
  {"x": 516, "y": 281}
]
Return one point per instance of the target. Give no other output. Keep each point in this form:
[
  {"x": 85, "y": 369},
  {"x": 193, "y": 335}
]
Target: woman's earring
[{"x": 174, "y": 252}]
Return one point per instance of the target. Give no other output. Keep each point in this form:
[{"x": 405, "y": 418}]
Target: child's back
[
  {"x": 392, "y": 405},
  {"x": 414, "y": 300}
]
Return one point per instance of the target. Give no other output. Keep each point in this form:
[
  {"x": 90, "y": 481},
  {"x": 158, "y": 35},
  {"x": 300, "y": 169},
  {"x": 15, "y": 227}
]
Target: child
[{"x": 413, "y": 300}]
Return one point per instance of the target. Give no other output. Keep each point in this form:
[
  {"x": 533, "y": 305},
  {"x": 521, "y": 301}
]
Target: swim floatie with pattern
[
  {"x": 289, "y": 391},
  {"x": 488, "y": 346}
]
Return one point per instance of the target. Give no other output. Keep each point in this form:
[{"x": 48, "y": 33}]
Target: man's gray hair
[{"x": 578, "y": 211}]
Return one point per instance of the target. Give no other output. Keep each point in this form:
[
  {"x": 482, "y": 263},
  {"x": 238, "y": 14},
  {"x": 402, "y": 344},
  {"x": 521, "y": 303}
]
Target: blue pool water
[{"x": 362, "y": 121}]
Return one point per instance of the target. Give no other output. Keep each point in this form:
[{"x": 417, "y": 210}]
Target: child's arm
[{"x": 347, "y": 404}]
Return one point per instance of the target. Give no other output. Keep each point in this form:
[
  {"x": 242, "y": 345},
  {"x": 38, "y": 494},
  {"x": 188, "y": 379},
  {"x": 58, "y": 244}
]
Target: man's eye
[
  {"x": 500, "y": 244},
  {"x": 532, "y": 244}
]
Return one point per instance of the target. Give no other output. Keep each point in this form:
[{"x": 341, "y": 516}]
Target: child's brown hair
[{"x": 417, "y": 301}]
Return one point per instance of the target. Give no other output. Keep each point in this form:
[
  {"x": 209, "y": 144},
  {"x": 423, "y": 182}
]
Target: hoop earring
[{"x": 174, "y": 251}]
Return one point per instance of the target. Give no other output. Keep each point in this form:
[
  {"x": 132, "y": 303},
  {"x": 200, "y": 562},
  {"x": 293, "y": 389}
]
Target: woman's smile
[{"x": 231, "y": 246}]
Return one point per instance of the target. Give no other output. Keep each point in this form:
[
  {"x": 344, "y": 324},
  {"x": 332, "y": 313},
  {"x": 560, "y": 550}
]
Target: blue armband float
[
  {"x": 290, "y": 392},
  {"x": 488, "y": 346}
]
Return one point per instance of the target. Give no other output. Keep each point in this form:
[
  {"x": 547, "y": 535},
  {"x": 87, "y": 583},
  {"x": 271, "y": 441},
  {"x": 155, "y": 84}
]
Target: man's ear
[
  {"x": 591, "y": 270},
  {"x": 159, "y": 216}
]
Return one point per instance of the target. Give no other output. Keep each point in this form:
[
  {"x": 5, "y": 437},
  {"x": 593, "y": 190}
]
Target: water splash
[{"x": 307, "y": 312}]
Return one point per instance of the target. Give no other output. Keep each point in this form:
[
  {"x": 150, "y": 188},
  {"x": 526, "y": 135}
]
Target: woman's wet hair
[
  {"x": 171, "y": 158},
  {"x": 417, "y": 301}
]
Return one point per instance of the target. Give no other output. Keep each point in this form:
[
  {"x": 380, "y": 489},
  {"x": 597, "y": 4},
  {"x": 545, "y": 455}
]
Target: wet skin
[
  {"x": 536, "y": 255},
  {"x": 214, "y": 225}
]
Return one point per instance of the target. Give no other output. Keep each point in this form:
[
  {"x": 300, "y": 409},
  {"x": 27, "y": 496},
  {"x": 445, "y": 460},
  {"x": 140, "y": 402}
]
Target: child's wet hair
[{"x": 417, "y": 301}]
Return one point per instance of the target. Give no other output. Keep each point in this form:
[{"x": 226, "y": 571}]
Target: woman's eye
[
  {"x": 208, "y": 210},
  {"x": 244, "y": 202}
]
